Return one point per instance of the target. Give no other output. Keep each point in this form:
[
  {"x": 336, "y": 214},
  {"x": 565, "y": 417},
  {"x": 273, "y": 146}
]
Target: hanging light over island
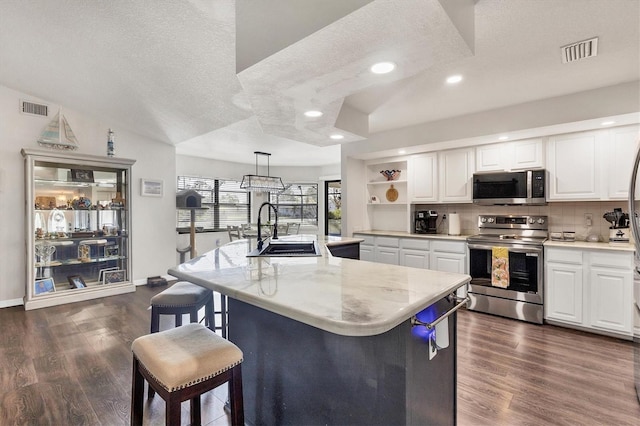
[{"x": 262, "y": 183}]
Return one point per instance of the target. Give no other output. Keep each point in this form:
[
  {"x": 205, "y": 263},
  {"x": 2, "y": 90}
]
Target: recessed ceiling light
[
  {"x": 313, "y": 113},
  {"x": 402, "y": 151},
  {"x": 607, "y": 123},
  {"x": 454, "y": 79},
  {"x": 503, "y": 138},
  {"x": 382, "y": 67},
  {"x": 337, "y": 136}
]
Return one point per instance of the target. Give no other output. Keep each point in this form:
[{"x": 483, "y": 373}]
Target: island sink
[{"x": 287, "y": 249}]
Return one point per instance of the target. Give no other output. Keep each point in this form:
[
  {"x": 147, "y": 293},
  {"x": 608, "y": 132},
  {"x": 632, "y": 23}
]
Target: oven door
[{"x": 525, "y": 272}]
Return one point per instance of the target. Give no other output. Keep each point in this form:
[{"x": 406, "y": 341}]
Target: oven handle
[
  {"x": 515, "y": 249},
  {"x": 461, "y": 302}
]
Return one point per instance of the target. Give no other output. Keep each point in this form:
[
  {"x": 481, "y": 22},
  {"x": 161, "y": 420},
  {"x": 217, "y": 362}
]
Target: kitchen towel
[
  {"x": 454, "y": 224},
  {"x": 500, "y": 267}
]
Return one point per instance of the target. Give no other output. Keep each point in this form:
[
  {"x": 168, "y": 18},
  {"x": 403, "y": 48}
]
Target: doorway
[{"x": 333, "y": 204}]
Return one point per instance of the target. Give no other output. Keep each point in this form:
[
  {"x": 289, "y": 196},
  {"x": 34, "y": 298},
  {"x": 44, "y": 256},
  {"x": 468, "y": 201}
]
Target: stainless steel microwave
[{"x": 510, "y": 188}]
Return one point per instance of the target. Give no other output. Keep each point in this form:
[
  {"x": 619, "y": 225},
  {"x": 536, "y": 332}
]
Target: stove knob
[
  {"x": 540, "y": 220},
  {"x": 483, "y": 219},
  {"x": 491, "y": 220},
  {"x": 532, "y": 220}
]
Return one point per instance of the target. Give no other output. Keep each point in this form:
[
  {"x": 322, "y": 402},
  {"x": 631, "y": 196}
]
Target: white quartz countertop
[
  {"x": 402, "y": 234},
  {"x": 591, "y": 245},
  {"x": 549, "y": 243},
  {"x": 343, "y": 296}
]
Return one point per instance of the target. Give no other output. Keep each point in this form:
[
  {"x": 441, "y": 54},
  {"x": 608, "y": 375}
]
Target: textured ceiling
[{"x": 167, "y": 69}]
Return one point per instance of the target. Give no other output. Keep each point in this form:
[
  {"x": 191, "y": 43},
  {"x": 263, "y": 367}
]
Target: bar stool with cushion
[
  {"x": 181, "y": 364},
  {"x": 180, "y": 299}
]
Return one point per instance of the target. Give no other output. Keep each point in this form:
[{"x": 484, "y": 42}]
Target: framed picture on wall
[{"x": 151, "y": 187}]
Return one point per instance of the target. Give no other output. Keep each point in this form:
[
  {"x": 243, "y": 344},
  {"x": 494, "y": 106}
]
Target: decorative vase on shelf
[
  {"x": 111, "y": 151},
  {"x": 390, "y": 174},
  {"x": 392, "y": 194}
]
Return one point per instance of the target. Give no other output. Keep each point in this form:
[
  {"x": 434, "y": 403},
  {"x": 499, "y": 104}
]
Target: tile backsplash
[{"x": 565, "y": 216}]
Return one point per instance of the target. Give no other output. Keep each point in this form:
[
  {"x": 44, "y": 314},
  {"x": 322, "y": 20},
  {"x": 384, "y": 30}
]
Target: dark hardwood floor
[{"x": 71, "y": 365}]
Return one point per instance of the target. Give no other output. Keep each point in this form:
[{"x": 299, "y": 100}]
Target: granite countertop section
[
  {"x": 402, "y": 234},
  {"x": 593, "y": 246},
  {"x": 342, "y": 296}
]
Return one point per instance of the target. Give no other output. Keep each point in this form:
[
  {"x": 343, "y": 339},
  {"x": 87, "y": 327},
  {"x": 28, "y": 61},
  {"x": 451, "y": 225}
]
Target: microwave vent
[
  {"x": 580, "y": 50},
  {"x": 33, "y": 108}
]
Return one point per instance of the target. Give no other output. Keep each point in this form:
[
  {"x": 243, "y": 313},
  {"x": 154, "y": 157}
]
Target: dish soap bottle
[{"x": 110, "y": 148}]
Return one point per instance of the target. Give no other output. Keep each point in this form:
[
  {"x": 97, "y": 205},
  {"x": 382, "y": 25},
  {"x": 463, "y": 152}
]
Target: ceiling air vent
[
  {"x": 27, "y": 107},
  {"x": 580, "y": 50}
]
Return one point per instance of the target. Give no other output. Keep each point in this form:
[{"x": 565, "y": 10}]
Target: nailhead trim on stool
[{"x": 183, "y": 363}]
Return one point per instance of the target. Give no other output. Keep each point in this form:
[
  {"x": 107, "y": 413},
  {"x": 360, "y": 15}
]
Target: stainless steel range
[{"x": 506, "y": 266}]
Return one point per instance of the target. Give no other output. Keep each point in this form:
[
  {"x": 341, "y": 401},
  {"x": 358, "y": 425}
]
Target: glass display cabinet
[{"x": 78, "y": 234}]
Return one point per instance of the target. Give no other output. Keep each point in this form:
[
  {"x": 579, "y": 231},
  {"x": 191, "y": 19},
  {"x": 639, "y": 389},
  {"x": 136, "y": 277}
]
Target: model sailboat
[{"x": 58, "y": 134}]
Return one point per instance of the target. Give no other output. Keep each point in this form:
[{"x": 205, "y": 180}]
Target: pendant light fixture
[{"x": 261, "y": 183}]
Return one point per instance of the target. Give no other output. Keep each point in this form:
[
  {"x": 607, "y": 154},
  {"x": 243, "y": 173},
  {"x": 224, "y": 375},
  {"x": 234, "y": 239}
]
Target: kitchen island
[{"x": 328, "y": 340}]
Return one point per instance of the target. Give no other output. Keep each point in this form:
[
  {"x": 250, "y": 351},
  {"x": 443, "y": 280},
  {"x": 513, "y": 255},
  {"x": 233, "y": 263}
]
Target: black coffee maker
[{"x": 425, "y": 222}]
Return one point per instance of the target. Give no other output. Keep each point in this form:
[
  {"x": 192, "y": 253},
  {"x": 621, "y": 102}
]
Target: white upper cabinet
[
  {"x": 455, "y": 171},
  {"x": 490, "y": 158},
  {"x": 527, "y": 154},
  {"x": 518, "y": 155},
  {"x": 423, "y": 178},
  {"x": 621, "y": 151},
  {"x": 575, "y": 163}
]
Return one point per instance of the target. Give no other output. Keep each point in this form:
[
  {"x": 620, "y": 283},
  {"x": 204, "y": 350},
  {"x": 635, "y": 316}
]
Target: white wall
[{"x": 153, "y": 219}]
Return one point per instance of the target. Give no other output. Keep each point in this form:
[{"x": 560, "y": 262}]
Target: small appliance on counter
[
  {"x": 425, "y": 222},
  {"x": 619, "y": 229},
  {"x": 454, "y": 224}
]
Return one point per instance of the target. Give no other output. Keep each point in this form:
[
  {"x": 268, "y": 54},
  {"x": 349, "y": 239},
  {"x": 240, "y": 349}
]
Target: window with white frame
[
  {"x": 297, "y": 203},
  {"x": 226, "y": 202}
]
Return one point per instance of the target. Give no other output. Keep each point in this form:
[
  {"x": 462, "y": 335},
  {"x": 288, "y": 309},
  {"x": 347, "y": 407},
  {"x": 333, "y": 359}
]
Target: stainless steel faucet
[{"x": 275, "y": 226}]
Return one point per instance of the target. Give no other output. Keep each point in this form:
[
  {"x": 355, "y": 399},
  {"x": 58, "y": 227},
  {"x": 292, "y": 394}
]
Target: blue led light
[{"x": 425, "y": 316}]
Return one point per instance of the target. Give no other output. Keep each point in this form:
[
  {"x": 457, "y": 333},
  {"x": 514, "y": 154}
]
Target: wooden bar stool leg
[
  {"x": 172, "y": 411},
  {"x": 235, "y": 393},
  {"x": 137, "y": 394},
  {"x": 223, "y": 314},
  {"x": 155, "y": 319},
  {"x": 196, "y": 418},
  {"x": 210, "y": 319}
]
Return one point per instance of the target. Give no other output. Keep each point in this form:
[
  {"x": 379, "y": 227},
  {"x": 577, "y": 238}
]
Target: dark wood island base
[{"x": 296, "y": 374}]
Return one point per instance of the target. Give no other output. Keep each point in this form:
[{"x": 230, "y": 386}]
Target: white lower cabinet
[
  {"x": 366, "y": 247},
  {"x": 590, "y": 289},
  {"x": 389, "y": 255},
  {"x": 428, "y": 253},
  {"x": 414, "y": 253},
  {"x": 564, "y": 292},
  {"x": 387, "y": 250},
  {"x": 449, "y": 256}
]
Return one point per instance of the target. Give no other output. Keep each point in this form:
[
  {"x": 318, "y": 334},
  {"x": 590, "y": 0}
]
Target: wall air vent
[
  {"x": 32, "y": 108},
  {"x": 580, "y": 50}
]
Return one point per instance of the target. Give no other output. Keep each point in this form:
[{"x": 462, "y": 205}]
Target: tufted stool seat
[
  {"x": 179, "y": 299},
  {"x": 182, "y": 363}
]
